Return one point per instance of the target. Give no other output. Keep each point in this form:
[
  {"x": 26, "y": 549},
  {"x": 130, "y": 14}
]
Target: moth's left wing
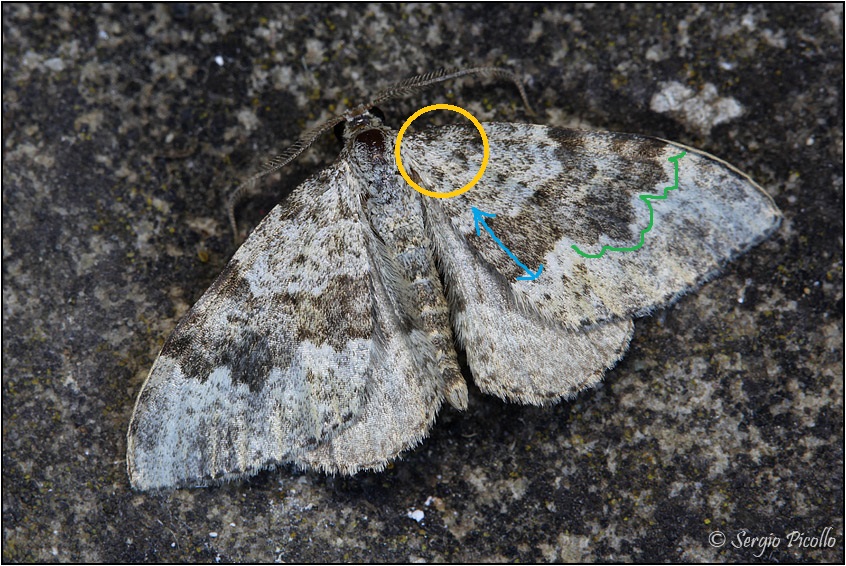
[
  {"x": 551, "y": 189},
  {"x": 513, "y": 351}
]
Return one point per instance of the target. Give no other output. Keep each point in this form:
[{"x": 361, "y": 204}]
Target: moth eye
[
  {"x": 376, "y": 111},
  {"x": 339, "y": 131}
]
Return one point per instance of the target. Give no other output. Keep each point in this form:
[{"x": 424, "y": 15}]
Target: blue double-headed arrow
[{"x": 479, "y": 220}]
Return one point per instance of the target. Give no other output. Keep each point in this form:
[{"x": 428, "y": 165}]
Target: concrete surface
[{"x": 125, "y": 127}]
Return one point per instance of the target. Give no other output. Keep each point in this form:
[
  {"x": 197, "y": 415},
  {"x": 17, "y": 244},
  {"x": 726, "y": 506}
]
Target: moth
[{"x": 329, "y": 340}]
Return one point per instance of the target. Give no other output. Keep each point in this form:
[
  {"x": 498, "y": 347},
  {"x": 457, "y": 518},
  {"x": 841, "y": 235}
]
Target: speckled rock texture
[{"x": 126, "y": 126}]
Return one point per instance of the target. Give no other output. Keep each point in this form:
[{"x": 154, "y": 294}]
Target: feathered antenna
[{"x": 402, "y": 88}]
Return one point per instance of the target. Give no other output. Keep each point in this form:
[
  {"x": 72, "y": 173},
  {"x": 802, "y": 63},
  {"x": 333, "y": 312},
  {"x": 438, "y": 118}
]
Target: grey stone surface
[{"x": 124, "y": 128}]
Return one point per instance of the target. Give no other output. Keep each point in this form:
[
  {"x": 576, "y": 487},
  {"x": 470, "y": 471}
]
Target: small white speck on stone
[
  {"x": 55, "y": 64},
  {"x": 536, "y": 32},
  {"x": 314, "y": 51},
  {"x": 212, "y": 534},
  {"x": 748, "y": 21},
  {"x": 247, "y": 119},
  {"x": 775, "y": 39},
  {"x": 655, "y": 54},
  {"x": 219, "y": 60},
  {"x": 810, "y": 141},
  {"x": 103, "y": 34},
  {"x": 428, "y": 501},
  {"x": 416, "y": 514}
]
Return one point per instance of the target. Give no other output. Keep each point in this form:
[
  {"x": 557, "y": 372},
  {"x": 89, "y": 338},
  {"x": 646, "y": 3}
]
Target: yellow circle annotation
[{"x": 486, "y": 150}]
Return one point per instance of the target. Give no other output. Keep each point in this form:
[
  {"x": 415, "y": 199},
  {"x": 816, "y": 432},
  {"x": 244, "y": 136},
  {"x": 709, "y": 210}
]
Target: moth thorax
[{"x": 373, "y": 141}]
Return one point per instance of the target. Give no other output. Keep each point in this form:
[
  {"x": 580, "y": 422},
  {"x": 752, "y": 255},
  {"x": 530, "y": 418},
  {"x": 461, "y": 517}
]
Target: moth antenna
[
  {"x": 419, "y": 82},
  {"x": 402, "y": 88},
  {"x": 274, "y": 164}
]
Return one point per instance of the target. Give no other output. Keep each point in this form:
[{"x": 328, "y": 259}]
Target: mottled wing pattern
[
  {"x": 513, "y": 351},
  {"x": 403, "y": 399},
  {"x": 278, "y": 356},
  {"x": 553, "y": 188}
]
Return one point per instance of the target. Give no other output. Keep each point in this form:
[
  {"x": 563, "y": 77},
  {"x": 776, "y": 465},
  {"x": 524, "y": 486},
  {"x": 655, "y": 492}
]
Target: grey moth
[{"x": 329, "y": 340}]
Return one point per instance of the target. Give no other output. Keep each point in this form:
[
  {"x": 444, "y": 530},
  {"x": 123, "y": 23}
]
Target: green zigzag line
[{"x": 645, "y": 198}]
